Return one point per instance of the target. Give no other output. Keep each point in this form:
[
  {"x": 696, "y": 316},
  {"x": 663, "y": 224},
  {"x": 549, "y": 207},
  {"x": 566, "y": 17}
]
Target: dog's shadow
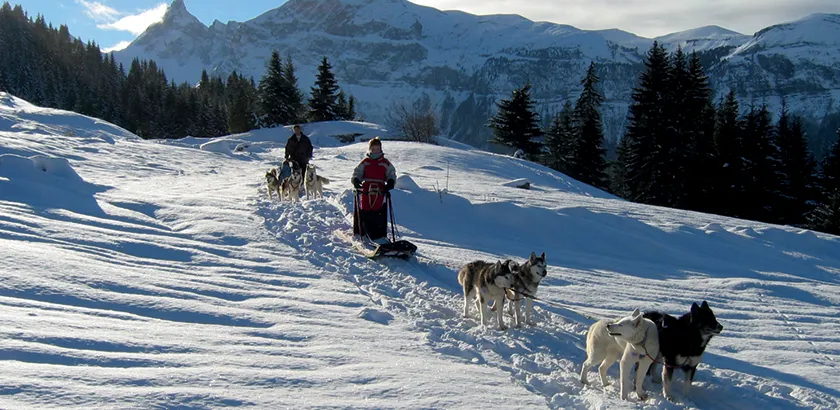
[{"x": 725, "y": 362}]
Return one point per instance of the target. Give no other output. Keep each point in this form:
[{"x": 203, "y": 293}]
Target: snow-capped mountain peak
[{"x": 385, "y": 51}]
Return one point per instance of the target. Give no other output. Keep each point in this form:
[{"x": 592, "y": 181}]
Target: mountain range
[{"x": 384, "y": 51}]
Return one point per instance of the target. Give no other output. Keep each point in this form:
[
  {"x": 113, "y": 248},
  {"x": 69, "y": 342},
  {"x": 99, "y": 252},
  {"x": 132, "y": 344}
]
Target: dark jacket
[{"x": 299, "y": 151}]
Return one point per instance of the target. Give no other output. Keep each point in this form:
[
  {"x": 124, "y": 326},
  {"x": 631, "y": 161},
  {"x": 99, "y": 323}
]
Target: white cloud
[
  {"x": 648, "y": 18},
  {"x": 117, "y": 47},
  {"x": 137, "y": 23},
  {"x": 99, "y": 11}
]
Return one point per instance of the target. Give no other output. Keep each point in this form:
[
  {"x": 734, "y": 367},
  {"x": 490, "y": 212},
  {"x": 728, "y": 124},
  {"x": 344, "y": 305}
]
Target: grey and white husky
[
  {"x": 483, "y": 281},
  {"x": 527, "y": 277},
  {"x": 272, "y": 180},
  {"x": 314, "y": 182}
]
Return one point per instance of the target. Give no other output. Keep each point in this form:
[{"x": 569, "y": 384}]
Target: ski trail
[
  {"x": 428, "y": 296},
  {"x": 545, "y": 359}
]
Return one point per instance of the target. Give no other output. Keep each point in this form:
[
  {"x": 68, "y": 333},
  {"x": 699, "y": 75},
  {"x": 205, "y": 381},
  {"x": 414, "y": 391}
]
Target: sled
[{"x": 392, "y": 249}]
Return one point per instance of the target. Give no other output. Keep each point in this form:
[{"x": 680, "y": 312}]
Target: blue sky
[
  {"x": 111, "y": 22},
  {"x": 116, "y": 22}
]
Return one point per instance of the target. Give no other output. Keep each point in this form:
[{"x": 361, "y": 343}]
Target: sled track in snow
[{"x": 545, "y": 358}]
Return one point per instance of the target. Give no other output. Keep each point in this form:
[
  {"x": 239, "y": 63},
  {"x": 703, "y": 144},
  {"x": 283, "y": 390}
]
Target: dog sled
[{"x": 382, "y": 247}]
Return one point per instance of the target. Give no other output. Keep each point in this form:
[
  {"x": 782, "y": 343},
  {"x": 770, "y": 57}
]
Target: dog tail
[{"x": 323, "y": 180}]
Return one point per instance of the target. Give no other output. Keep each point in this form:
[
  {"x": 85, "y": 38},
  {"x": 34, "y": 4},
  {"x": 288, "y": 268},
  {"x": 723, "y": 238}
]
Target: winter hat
[{"x": 375, "y": 141}]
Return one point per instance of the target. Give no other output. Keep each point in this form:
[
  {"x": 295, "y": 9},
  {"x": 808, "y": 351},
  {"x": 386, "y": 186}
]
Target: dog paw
[
  {"x": 503, "y": 328},
  {"x": 642, "y": 396},
  {"x": 531, "y": 322}
]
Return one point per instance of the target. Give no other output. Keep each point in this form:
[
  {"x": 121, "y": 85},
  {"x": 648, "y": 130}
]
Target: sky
[{"x": 114, "y": 23}]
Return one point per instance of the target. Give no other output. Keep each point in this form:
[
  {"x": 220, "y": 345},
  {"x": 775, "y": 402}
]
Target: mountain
[
  {"x": 158, "y": 274},
  {"x": 393, "y": 50}
]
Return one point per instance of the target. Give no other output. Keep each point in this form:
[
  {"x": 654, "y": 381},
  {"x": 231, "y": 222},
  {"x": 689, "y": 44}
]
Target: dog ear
[
  {"x": 512, "y": 265},
  {"x": 542, "y": 256},
  {"x": 636, "y": 312},
  {"x": 498, "y": 265},
  {"x": 533, "y": 257},
  {"x": 704, "y": 305}
]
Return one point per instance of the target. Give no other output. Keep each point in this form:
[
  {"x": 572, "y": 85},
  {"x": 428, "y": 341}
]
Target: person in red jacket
[{"x": 373, "y": 179}]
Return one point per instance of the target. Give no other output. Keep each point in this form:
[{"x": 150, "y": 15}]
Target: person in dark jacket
[
  {"x": 299, "y": 148},
  {"x": 373, "y": 179}
]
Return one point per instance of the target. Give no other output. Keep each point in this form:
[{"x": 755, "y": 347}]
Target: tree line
[
  {"x": 48, "y": 67},
  {"x": 683, "y": 150}
]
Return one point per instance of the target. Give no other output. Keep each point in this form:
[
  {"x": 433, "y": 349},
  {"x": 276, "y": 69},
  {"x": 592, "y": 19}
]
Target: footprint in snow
[{"x": 377, "y": 316}]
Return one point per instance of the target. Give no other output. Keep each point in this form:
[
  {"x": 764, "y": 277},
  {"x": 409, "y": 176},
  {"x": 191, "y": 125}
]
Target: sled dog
[
  {"x": 526, "y": 279},
  {"x": 290, "y": 186},
  {"x": 483, "y": 281},
  {"x": 314, "y": 182},
  {"x": 682, "y": 343},
  {"x": 272, "y": 180},
  {"x": 633, "y": 338}
]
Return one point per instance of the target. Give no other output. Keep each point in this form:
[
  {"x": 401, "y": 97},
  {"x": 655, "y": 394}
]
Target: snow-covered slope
[
  {"x": 146, "y": 274},
  {"x": 703, "y": 39},
  {"x": 393, "y": 50}
]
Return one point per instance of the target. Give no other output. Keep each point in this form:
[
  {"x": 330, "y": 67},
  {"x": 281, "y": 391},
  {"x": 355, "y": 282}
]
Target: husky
[
  {"x": 682, "y": 343},
  {"x": 485, "y": 280},
  {"x": 272, "y": 179},
  {"x": 633, "y": 338},
  {"x": 527, "y": 277},
  {"x": 290, "y": 186},
  {"x": 314, "y": 182}
]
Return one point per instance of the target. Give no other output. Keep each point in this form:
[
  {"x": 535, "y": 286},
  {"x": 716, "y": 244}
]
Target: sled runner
[{"x": 383, "y": 247}]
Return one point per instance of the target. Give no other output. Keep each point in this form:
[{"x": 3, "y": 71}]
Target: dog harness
[{"x": 373, "y": 183}]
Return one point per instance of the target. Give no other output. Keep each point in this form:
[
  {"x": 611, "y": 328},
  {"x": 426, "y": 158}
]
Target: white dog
[
  {"x": 313, "y": 182},
  {"x": 633, "y": 338}
]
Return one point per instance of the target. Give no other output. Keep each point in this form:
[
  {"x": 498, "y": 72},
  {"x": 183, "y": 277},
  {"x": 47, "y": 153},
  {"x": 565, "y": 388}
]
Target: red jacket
[{"x": 374, "y": 173}]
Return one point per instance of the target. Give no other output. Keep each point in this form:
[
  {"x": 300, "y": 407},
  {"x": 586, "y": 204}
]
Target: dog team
[
  {"x": 288, "y": 181},
  {"x": 641, "y": 340}
]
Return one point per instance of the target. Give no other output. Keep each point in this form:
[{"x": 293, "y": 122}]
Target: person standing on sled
[
  {"x": 299, "y": 150},
  {"x": 373, "y": 179}
]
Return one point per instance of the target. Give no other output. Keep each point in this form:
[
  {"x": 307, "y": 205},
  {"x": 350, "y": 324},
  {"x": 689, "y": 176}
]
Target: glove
[
  {"x": 389, "y": 185},
  {"x": 357, "y": 184}
]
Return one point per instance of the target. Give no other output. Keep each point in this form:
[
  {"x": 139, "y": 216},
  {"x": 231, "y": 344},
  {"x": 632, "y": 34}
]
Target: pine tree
[
  {"x": 826, "y": 216},
  {"x": 293, "y": 94},
  {"x": 351, "y": 109},
  {"x": 558, "y": 140},
  {"x": 589, "y": 164},
  {"x": 516, "y": 124},
  {"x": 831, "y": 168},
  {"x": 645, "y": 149},
  {"x": 322, "y": 104},
  {"x": 619, "y": 169},
  {"x": 728, "y": 138},
  {"x": 701, "y": 167},
  {"x": 797, "y": 170},
  {"x": 678, "y": 136},
  {"x": 341, "y": 106},
  {"x": 273, "y": 101},
  {"x": 241, "y": 104},
  {"x": 760, "y": 155}
]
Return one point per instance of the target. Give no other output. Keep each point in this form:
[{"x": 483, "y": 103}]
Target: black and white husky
[{"x": 682, "y": 342}]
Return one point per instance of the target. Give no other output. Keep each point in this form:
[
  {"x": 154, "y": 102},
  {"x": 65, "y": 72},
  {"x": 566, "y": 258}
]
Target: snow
[
  {"x": 157, "y": 274},
  {"x": 702, "y": 38}
]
